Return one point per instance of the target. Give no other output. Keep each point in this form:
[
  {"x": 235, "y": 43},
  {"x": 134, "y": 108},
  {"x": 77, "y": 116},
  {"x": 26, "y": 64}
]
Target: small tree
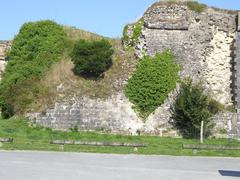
[
  {"x": 191, "y": 109},
  {"x": 91, "y": 58}
]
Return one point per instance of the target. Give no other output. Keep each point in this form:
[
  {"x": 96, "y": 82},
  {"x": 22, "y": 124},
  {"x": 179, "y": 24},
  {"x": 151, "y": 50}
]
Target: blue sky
[{"x": 105, "y": 17}]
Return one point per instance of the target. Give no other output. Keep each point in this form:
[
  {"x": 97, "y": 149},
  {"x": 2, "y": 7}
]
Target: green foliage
[
  {"x": 92, "y": 58},
  {"x": 190, "y": 108},
  {"x": 133, "y": 39},
  {"x": 222, "y": 131},
  {"x": 195, "y": 6},
  {"x": 153, "y": 80},
  {"x": 137, "y": 30},
  {"x": 37, "y": 46},
  {"x": 231, "y": 108},
  {"x": 7, "y": 109},
  {"x": 214, "y": 106},
  {"x": 125, "y": 33}
]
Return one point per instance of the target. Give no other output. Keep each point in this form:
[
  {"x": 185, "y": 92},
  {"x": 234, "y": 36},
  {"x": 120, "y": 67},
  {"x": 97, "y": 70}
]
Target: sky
[{"x": 104, "y": 17}]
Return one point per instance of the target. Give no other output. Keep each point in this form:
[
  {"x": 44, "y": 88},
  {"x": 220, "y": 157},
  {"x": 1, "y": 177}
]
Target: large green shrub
[
  {"x": 91, "y": 58},
  {"x": 153, "y": 80},
  {"x": 37, "y": 46},
  {"x": 190, "y": 108}
]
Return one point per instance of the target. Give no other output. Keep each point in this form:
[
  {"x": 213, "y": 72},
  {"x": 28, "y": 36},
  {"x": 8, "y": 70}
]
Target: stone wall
[
  {"x": 202, "y": 43},
  {"x": 226, "y": 125},
  {"x": 114, "y": 114},
  {"x": 4, "y": 46},
  {"x": 238, "y": 21},
  {"x": 236, "y": 72}
]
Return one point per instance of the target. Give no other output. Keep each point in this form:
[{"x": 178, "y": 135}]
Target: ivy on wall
[{"x": 153, "y": 80}]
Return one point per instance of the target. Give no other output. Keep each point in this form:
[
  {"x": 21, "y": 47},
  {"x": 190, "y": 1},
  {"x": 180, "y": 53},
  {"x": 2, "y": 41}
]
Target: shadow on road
[{"x": 229, "y": 173}]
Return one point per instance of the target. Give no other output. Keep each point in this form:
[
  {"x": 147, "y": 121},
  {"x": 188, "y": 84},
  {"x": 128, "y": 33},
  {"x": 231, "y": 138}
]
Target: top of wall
[{"x": 169, "y": 15}]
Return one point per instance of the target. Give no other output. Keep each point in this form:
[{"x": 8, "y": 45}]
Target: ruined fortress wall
[
  {"x": 4, "y": 46},
  {"x": 202, "y": 43}
]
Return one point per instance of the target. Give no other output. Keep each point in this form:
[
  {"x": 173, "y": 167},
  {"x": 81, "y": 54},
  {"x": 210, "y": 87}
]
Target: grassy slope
[
  {"x": 37, "y": 138},
  {"x": 61, "y": 75}
]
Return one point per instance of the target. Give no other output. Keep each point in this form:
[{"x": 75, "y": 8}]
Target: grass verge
[{"x": 37, "y": 138}]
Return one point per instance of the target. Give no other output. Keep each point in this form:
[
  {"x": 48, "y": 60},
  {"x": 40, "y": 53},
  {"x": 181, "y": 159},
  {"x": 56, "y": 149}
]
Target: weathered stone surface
[
  {"x": 218, "y": 72},
  {"x": 239, "y": 21},
  {"x": 4, "y": 46},
  {"x": 173, "y": 17},
  {"x": 204, "y": 49},
  {"x": 236, "y": 72},
  {"x": 226, "y": 125},
  {"x": 114, "y": 114}
]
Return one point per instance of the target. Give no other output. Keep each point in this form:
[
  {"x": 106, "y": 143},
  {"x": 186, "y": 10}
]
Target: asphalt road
[{"x": 82, "y": 166}]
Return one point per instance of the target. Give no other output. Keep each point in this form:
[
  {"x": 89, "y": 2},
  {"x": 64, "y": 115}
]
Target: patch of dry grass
[
  {"x": 62, "y": 83},
  {"x": 75, "y": 34}
]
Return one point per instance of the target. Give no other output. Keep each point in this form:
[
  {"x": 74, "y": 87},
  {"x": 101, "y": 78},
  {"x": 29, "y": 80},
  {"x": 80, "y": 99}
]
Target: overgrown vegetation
[
  {"x": 196, "y": 6},
  {"x": 63, "y": 84},
  {"x": 153, "y": 80},
  {"x": 137, "y": 30},
  {"x": 37, "y": 46},
  {"x": 190, "y": 109},
  {"x": 125, "y": 34},
  {"x": 191, "y": 4},
  {"x": 38, "y": 138},
  {"x": 91, "y": 58},
  {"x": 133, "y": 39},
  {"x": 215, "y": 107},
  {"x": 34, "y": 85}
]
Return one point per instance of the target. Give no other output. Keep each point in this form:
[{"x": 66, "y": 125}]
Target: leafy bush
[
  {"x": 153, "y": 80},
  {"x": 91, "y": 58},
  {"x": 37, "y": 46},
  {"x": 195, "y": 6},
  {"x": 190, "y": 108}
]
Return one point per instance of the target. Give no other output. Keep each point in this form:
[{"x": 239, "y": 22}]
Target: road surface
[{"x": 18, "y": 165}]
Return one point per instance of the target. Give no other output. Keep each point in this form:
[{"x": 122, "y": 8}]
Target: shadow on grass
[{"x": 229, "y": 173}]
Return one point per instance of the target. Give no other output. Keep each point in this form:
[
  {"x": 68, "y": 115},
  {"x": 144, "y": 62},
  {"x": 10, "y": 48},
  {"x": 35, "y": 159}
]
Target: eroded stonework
[
  {"x": 114, "y": 114},
  {"x": 174, "y": 17},
  {"x": 202, "y": 44},
  {"x": 218, "y": 71},
  {"x": 4, "y": 47}
]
